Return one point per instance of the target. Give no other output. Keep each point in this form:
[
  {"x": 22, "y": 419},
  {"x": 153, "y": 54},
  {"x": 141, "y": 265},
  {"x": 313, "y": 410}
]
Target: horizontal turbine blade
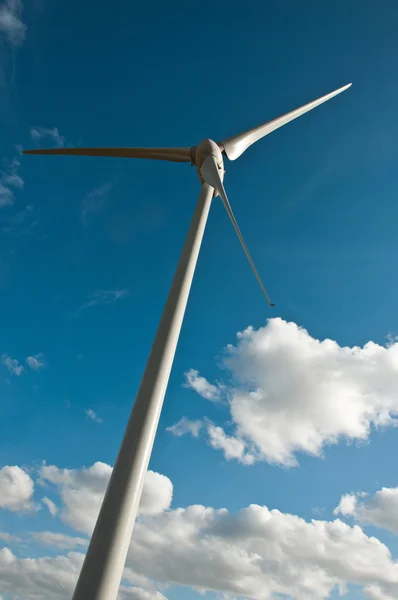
[
  {"x": 211, "y": 174},
  {"x": 236, "y": 145},
  {"x": 173, "y": 154}
]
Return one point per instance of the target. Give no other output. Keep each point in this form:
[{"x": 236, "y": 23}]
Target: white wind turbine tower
[{"x": 103, "y": 566}]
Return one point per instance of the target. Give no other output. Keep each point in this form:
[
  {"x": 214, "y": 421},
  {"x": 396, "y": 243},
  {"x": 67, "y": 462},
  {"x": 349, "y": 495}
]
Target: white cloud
[
  {"x": 10, "y": 21},
  {"x": 6, "y": 537},
  {"x": 346, "y": 505},
  {"x": 82, "y": 491},
  {"x": 58, "y": 540},
  {"x": 94, "y": 201},
  {"x": 36, "y": 362},
  {"x": 6, "y": 196},
  {"x": 16, "y": 488},
  {"x": 184, "y": 426},
  {"x": 93, "y": 415},
  {"x": 255, "y": 553},
  {"x": 102, "y": 297},
  {"x": 52, "y": 507},
  {"x": 259, "y": 553},
  {"x": 156, "y": 495},
  {"x": 48, "y": 578},
  {"x": 379, "y": 509},
  {"x": 10, "y": 179},
  {"x": 134, "y": 593},
  {"x": 232, "y": 447},
  {"x": 22, "y": 223},
  {"x": 12, "y": 365},
  {"x": 13, "y": 180},
  {"x": 200, "y": 384},
  {"x": 39, "y": 133},
  {"x": 291, "y": 393}
]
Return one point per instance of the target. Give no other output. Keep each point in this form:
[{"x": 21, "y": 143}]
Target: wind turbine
[{"x": 103, "y": 566}]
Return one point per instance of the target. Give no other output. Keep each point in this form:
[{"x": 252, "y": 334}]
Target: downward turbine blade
[
  {"x": 211, "y": 174},
  {"x": 173, "y": 154},
  {"x": 236, "y": 145}
]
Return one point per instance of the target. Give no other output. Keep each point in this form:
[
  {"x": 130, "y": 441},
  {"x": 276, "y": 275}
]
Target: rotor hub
[
  {"x": 199, "y": 153},
  {"x": 207, "y": 147}
]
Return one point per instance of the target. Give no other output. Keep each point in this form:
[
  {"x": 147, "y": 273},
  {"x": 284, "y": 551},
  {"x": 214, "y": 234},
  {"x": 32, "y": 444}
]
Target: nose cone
[{"x": 208, "y": 148}]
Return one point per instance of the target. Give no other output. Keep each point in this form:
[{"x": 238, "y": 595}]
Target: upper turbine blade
[
  {"x": 236, "y": 145},
  {"x": 173, "y": 154},
  {"x": 211, "y": 174}
]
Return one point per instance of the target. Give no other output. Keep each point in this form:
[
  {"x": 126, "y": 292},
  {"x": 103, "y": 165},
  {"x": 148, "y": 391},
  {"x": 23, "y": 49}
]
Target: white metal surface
[
  {"x": 103, "y": 566},
  {"x": 213, "y": 172},
  {"x": 173, "y": 154},
  {"x": 236, "y": 145}
]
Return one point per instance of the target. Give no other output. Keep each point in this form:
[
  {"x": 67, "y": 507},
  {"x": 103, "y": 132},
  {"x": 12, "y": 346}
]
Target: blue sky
[{"x": 88, "y": 249}]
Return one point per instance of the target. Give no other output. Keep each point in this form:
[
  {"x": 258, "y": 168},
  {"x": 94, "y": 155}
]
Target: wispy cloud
[
  {"x": 7, "y": 537},
  {"x": 6, "y": 196},
  {"x": 102, "y": 297},
  {"x": 184, "y": 426},
  {"x": 39, "y": 133},
  {"x": 21, "y": 223},
  {"x": 201, "y": 386},
  {"x": 10, "y": 180},
  {"x": 93, "y": 415},
  {"x": 11, "y": 24},
  {"x": 58, "y": 540},
  {"x": 12, "y": 364},
  {"x": 52, "y": 507},
  {"x": 94, "y": 201},
  {"x": 12, "y": 35},
  {"x": 36, "y": 362}
]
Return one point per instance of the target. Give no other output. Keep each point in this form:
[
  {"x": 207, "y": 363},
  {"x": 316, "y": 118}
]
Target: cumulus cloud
[
  {"x": 379, "y": 509},
  {"x": 255, "y": 553},
  {"x": 48, "y": 578},
  {"x": 39, "y": 133},
  {"x": 259, "y": 553},
  {"x": 184, "y": 426},
  {"x": 58, "y": 540},
  {"x": 12, "y": 364},
  {"x": 36, "y": 362},
  {"x": 346, "y": 505},
  {"x": 16, "y": 488},
  {"x": 200, "y": 384},
  {"x": 291, "y": 393},
  {"x": 82, "y": 491},
  {"x": 93, "y": 415},
  {"x": 11, "y": 24},
  {"x": 232, "y": 447}
]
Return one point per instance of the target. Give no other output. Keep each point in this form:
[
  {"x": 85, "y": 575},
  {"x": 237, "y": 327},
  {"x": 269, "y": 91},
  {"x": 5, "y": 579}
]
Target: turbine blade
[
  {"x": 173, "y": 154},
  {"x": 211, "y": 174},
  {"x": 236, "y": 145}
]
